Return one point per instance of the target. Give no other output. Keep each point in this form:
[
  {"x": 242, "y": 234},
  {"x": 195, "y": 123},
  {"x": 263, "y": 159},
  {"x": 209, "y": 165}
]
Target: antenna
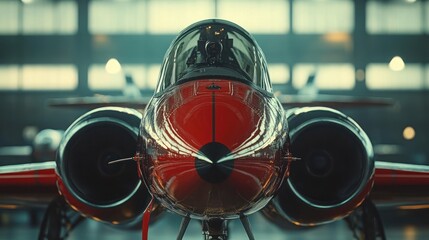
[{"x": 135, "y": 158}]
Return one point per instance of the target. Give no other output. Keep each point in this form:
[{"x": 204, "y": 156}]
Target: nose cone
[
  {"x": 213, "y": 148},
  {"x": 210, "y": 166}
]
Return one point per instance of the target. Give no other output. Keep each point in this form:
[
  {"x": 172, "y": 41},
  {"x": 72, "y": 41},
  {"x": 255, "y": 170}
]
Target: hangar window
[
  {"x": 427, "y": 16},
  {"x": 279, "y": 73},
  {"x": 153, "y": 75},
  {"x": 168, "y": 17},
  {"x": 111, "y": 17},
  {"x": 427, "y": 76},
  {"x": 9, "y": 75},
  {"x": 48, "y": 77},
  {"x": 47, "y": 17},
  {"x": 38, "y": 77},
  {"x": 272, "y": 18},
  {"x": 313, "y": 16},
  {"x": 404, "y": 17},
  {"x": 38, "y": 17},
  {"x": 9, "y": 17},
  {"x": 324, "y": 76},
  {"x": 172, "y": 16},
  {"x": 143, "y": 76},
  {"x": 100, "y": 79},
  {"x": 379, "y": 76}
]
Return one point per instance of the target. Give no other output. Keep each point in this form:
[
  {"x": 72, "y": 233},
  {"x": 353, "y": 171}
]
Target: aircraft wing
[
  {"x": 27, "y": 185},
  {"x": 333, "y": 101},
  {"x": 99, "y": 101},
  {"x": 400, "y": 184},
  {"x": 34, "y": 184},
  {"x": 288, "y": 101}
]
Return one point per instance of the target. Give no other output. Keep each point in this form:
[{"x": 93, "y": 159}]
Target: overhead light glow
[
  {"x": 409, "y": 133},
  {"x": 337, "y": 37},
  {"x": 113, "y": 66},
  {"x": 410, "y": 232},
  {"x": 27, "y": 1},
  {"x": 411, "y": 1},
  {"x": 397, "y": 64}
]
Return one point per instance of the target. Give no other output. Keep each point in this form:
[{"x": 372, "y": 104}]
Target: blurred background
[{"x": 79, "y": 48}]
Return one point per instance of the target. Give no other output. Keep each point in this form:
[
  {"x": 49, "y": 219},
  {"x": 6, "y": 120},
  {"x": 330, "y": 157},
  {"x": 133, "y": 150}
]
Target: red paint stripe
[
  {"x": 390, "y": 177},
  {"x": 29, "y": 178},
  {"x": 146, "y": 220}
]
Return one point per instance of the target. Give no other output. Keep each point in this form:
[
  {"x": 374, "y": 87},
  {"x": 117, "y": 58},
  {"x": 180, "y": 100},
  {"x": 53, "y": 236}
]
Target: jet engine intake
[
  {"x": 335, "y": 172},
  {"x": 105, "y": 192}
]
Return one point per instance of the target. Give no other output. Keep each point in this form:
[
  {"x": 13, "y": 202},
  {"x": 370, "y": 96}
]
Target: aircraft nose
[{"x": 208, "y": 165}]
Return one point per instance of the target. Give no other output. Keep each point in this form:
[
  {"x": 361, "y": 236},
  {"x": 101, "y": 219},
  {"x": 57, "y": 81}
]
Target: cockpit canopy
[{"x": 214, "y": 49}]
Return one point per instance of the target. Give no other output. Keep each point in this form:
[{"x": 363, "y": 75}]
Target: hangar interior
[{"x": 77, "y": 48}]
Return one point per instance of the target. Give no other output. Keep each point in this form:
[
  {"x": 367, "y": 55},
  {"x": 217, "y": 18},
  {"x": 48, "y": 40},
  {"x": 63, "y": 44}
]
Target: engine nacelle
[
  {"x": 105, "y": 192},
  {"x": 335, "y": 173}
]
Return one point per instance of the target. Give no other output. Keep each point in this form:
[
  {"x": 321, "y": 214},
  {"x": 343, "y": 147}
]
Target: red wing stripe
[
  {"x": 395, "y": 174},
  {"x": 27, "y": 167},
  {"x": 30, "y": 174}
]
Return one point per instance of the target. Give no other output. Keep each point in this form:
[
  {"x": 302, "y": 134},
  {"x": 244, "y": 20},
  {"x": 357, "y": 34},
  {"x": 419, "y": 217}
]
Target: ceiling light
[
  {"x": 113, "y": 66},
  {"x": 397, "y": 64},
  {"x": 409, "y": 133}
]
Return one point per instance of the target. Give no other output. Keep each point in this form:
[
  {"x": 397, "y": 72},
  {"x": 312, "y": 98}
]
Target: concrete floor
[{"x": 399, "y": 225}]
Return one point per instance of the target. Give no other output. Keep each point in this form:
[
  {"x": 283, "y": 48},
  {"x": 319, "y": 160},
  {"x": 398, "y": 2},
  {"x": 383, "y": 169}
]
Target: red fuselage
[{"x": 214, "y": 148}]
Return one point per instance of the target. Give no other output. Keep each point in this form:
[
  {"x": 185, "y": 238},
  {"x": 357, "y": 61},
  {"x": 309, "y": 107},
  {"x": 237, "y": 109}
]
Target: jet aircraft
[{"x": 213, "y": 144}]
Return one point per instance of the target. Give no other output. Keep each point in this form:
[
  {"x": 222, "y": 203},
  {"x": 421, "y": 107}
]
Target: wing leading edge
[
  {"x": 401, "y": 184},
  {"x": 395, "y": 184},
  {"x": 27, "y": 185}
]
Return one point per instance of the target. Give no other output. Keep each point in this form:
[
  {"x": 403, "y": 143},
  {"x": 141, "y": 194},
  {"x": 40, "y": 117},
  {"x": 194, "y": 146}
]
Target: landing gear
[
  {"x": 215, "y": 228},
  {"x": 247, "y": 228},
  {"x": 365, "y": 222},
  {"x": 183, "y": 226},
  {"x": 59, "y": 220}
]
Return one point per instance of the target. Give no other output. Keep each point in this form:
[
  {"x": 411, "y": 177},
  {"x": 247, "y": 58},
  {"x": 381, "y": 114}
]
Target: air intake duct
[
  {"x": 335, "y": 172},
  {"x": 106, "y": 192}
]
